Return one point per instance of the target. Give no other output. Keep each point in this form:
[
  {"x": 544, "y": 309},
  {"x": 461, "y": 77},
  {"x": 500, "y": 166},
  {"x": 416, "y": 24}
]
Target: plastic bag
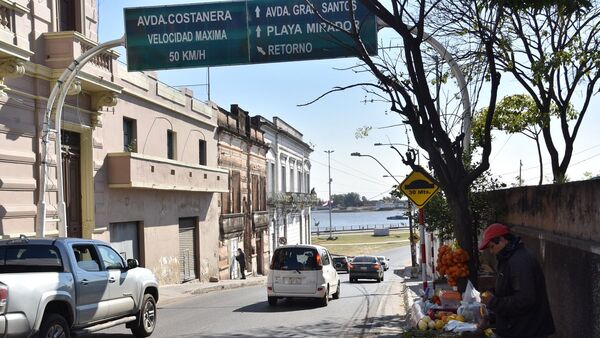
[
  {"x": 471, "y": 294},
  {"x": 457, "y": 326},
  {"x": 472, "y": 312}
]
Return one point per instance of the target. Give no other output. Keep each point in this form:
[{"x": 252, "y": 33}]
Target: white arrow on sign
[
  {"x": 258, "y": 31},
  {"x": 260, "y": 50},
  {"x": 257, "y": 11}
]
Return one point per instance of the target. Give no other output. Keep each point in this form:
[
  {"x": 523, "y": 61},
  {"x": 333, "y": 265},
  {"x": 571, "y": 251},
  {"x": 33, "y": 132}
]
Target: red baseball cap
[{"x": 493, "y": 231}]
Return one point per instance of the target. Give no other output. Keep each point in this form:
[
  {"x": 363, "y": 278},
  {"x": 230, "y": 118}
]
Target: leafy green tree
[
  {"x": 352, "y": 199},
  {"x": 552, "y": 49},
  {"x": 519, "y": 114},
  {"x": 438, "y": 216}
]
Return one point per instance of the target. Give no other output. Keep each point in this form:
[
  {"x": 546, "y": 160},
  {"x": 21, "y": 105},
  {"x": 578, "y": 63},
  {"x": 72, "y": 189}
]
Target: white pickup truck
[{"x": 56, "y": 287}]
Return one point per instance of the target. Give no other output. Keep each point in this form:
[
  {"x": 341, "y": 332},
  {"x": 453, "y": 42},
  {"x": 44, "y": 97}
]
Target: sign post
[
  {"x": 244, "y": 32},
  {"x": 420, "y": 187}
]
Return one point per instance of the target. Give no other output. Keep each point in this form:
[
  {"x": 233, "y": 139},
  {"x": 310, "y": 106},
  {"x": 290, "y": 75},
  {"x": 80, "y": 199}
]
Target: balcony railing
[
  {"x": 132, "y": 170},
  {"x": 231, "y": 225},
  {"x": 292, "y": 200},
  {"x": 61, "y": 48},
  {"x": 260, "y": 220},
  {"x": 14, "y": 40}
]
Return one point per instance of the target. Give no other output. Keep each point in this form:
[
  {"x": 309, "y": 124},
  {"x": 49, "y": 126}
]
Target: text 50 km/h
[{"x": 187, "y": 55}]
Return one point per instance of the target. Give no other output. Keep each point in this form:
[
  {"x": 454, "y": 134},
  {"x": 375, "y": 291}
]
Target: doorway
[
  {"x": 187, "y": 248},
  {"x": 71, "y": 166}
]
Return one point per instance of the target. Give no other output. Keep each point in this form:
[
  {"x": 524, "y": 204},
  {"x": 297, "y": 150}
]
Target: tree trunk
[{"x": 464, "y": 231}]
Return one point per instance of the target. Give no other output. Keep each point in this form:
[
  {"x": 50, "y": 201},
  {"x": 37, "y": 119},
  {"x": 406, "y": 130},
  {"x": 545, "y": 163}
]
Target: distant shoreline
[{"x": 355, "y": 209}]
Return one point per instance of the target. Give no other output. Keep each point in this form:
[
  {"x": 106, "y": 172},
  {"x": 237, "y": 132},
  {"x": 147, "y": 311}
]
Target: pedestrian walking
[
  {"x": 241, "y": 259},
  {"x": 520, "y": 301}
]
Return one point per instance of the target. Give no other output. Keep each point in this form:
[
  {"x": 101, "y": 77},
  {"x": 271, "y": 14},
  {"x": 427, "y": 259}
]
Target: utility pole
[
  {"x": 520, "y": 177},
  {"x": 329, "y": 200}
]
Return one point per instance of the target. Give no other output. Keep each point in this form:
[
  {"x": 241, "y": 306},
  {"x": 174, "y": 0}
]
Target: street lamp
[
  {"x": 329, "y": 201},
  {"x": 398, "y": 151},
  {"x": 365, "y": 155},
  {"x": 413, "y": 250}
]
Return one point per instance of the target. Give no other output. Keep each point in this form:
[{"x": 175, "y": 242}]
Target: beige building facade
[
  {"x": 139, "y": 158},
  {"x": 244, "y": 217}
]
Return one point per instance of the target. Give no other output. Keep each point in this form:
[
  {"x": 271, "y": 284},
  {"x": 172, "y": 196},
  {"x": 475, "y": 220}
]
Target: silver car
[
  {"x": 385, "y": 262},
  {"x": 302, "y": 271}
]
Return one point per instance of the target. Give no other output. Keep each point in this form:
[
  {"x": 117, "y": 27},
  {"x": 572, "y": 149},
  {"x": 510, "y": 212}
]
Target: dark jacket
[
  {"x": 241, "y": 258},
  {"x": 521, "y": 303}
]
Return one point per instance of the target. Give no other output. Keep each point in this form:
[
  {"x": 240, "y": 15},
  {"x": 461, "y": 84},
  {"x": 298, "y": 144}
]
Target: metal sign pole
[{"x": 423, "y": 252}]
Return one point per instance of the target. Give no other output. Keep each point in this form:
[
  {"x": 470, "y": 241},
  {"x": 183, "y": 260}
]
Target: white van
[{"x": 304, "y": 271}]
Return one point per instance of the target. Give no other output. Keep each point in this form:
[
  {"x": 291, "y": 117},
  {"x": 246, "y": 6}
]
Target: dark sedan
[
  {"x": 340, "y": 263},
  {"x": 365, "y": 267}
]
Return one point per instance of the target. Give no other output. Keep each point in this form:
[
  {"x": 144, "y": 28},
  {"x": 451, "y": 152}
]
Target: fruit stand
[{"x": 445, "y": 312}]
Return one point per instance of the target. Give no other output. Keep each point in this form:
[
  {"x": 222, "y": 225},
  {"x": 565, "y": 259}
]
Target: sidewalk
[
  {"x": 175, "y": 292},
  {"x": 411, "y": 290}
]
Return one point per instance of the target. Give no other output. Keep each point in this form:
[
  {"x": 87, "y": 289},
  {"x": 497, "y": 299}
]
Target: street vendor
[{"x": 520, "y": 302}]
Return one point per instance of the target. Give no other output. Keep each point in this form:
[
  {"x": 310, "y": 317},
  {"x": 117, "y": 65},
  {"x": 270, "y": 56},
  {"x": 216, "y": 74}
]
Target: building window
[
  {"x": 171, "y": 145},
  {"x": 67, "y": 20},
  {"x": 300, "y": 187},
  {"x": 291, "y": 179},
  {"x": 201, "y": 152},
  {"x": 129, "y": 135},
  {"x": 283, "y": 186},
  {"x": 236, "y": 185},
  {"x": 255, "y": 193},
  {"x": 262, "y": 189},
  {"x": 272, "y": 179}
]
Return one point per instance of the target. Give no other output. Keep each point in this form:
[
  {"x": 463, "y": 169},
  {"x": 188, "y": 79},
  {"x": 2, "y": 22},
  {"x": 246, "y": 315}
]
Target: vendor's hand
[{"x": 486, "y": 297}]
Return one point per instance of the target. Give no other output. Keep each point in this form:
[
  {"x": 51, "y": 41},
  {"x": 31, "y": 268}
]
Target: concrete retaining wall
[{"x": 561, "y": 224}]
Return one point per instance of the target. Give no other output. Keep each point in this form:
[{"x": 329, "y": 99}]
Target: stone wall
[{"x": 561, "y": 225}]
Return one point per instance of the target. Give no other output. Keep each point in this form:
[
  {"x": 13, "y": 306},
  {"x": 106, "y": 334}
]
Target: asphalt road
[{"x": 365, "y": 309}]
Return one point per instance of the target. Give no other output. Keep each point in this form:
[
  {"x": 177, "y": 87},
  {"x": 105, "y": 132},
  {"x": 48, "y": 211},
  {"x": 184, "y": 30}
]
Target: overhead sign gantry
[{"x": 244, "y": 32}]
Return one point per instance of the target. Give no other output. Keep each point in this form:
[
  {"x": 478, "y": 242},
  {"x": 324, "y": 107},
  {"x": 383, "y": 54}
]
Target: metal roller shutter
[{"x": 187, "y": 249}]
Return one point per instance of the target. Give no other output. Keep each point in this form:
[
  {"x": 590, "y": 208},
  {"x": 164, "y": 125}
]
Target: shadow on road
[
  {"x": 283, "y": 305},
  {"x": 385, "y": 326}
]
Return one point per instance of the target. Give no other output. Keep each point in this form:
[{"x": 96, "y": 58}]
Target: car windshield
[
  {"x": 364, "y": 259},
  {"x": 295, "y": 259},
  {"x": 381, "y": 258}
]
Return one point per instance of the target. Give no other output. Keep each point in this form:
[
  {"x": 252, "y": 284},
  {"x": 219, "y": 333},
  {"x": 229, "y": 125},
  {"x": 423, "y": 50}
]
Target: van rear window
[
  {"x": 295, "y": 259},
  {"x": 30, "y": 258}
]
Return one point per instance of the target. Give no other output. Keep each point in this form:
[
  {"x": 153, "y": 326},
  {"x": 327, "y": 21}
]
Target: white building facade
[{"x": 288, "y": 184}]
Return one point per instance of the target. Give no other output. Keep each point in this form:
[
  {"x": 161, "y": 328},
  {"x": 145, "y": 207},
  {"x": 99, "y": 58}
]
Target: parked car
[
  {"x": 365, "y": 267},
  {"x": 340, "y": 263},
  {"x": 385, "y": 262},
  {"x": 54, "y": 287},
  {"x": 304, "y": 271}
]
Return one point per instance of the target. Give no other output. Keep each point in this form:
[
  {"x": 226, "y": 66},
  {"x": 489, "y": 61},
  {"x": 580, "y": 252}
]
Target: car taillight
[
  {"x": 350, "y": 266},
  {"x": 3, "y": 298},
  {"x": 376, "y": 266},
  {"x": 318, "y": 259}
]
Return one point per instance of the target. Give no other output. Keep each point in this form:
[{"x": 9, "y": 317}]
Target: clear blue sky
[{"x": 277, "y": 89}]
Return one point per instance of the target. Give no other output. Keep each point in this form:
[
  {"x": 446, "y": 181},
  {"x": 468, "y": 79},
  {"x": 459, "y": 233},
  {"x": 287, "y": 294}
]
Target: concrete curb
[
  {"x": 175, "y": 292},
  {"x": 219, "y": 287},
  {"x": 409, "y": 296}
]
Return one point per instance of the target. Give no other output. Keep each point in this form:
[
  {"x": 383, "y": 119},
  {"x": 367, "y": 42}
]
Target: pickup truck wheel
[
  {"x": 54, "y": 326},
  {"x": 146, "y": 318}
]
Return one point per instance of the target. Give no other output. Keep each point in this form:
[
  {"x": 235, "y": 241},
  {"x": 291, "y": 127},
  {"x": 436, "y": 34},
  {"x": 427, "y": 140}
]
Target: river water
[{"x": 356, "y": 220}]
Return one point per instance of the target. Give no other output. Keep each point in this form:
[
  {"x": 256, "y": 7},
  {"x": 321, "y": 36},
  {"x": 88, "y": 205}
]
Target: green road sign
[
  {"x": 291, "y": 30},
  {"x": 181, "y": 36},
  {"x": 243, "y": 32}
]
